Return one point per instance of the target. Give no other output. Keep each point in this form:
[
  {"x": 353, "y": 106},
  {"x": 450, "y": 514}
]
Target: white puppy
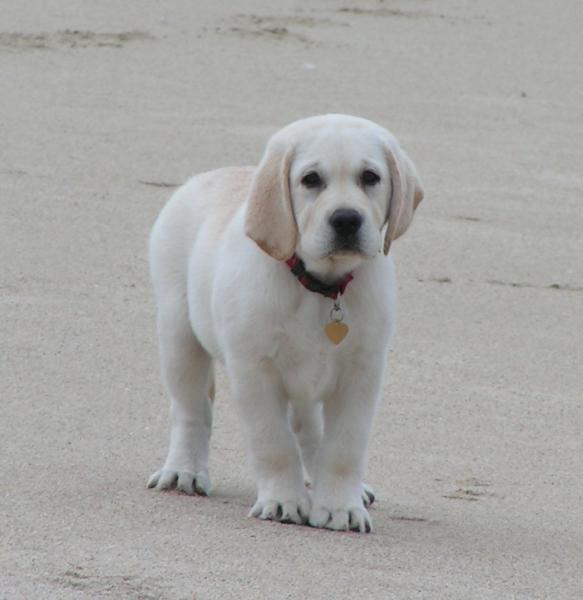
[{"x": 252, "y": 267}]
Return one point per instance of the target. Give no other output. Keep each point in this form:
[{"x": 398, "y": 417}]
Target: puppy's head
[{"x": 327, "y": 187}]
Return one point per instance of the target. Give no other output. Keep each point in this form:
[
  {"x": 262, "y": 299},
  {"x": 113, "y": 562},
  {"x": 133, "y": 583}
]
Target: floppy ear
[
  {"x": 406, "y": 194},
  {"x": 269, "y": 220}
]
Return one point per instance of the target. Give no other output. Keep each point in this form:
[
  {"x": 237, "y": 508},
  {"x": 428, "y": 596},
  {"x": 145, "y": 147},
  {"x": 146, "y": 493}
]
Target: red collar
[{"x": 333, "y": 290}]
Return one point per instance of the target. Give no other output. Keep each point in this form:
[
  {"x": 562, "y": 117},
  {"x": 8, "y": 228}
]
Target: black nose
[{"x": 345, "y": 221}]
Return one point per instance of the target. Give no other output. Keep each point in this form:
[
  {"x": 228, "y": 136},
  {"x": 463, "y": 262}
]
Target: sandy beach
[{"x": 477, "y": 452}]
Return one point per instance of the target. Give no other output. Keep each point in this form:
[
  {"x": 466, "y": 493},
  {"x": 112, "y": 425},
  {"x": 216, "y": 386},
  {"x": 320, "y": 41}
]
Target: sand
[{"x": 477, "y": 454}]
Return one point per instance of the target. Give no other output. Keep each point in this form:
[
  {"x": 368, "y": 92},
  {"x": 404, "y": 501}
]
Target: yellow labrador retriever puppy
[{"x": 282, "y": 273}]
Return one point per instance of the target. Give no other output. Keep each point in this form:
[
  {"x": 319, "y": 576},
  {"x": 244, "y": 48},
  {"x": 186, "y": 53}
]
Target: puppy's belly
[{"x": 308, "y": 372}]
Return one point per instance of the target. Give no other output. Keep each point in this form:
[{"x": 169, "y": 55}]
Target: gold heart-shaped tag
[{"x": 336, "y": 331}]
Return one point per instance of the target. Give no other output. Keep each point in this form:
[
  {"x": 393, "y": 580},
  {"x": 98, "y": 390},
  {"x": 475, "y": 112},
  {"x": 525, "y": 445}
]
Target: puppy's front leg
[
  {"x": 261, "y": 401},
  {"x": 337, "y": 501}
]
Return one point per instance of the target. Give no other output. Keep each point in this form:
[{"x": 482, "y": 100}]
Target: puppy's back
[{"x": 203, "y": 206}]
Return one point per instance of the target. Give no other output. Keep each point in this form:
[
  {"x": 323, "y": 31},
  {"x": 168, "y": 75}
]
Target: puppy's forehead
[{"x": 344, "y": 146}]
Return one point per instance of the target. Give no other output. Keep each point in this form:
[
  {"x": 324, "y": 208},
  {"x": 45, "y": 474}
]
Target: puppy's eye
[
  {"x": 369, "y": 178},
  {"x": 311, "y": 180}
]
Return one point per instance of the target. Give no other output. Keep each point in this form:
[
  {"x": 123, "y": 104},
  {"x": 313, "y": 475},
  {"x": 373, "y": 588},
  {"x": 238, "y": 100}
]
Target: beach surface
[{"x": 477, "y": 452}]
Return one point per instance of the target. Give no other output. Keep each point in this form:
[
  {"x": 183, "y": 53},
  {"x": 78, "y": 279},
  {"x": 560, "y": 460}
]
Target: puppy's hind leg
[
  {"x": 188, "y": 375},
  {"x": 307, "y": 424}
]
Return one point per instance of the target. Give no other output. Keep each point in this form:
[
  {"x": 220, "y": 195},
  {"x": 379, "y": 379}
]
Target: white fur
[{"x": 306, "y": 405}]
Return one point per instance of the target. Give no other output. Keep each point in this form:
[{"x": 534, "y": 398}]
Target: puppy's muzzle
[{"x": 346, "y": 224}]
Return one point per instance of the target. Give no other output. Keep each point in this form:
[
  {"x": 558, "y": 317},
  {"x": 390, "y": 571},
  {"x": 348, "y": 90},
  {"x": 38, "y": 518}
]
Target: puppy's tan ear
[
  {"x": 269, "y": 220},
  {"x": 406, "y": 193}
]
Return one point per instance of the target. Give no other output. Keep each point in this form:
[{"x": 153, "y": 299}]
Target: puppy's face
[
  {"x": 340, "y": 187},
  {"x": 326, "y": 187}
]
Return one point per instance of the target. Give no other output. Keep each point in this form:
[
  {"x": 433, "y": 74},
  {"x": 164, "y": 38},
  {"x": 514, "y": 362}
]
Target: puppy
[{"x": 282, "y": 273}]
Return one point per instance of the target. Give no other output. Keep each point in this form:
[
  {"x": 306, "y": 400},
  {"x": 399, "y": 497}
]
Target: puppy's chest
[{"x": 307, "y": 360}]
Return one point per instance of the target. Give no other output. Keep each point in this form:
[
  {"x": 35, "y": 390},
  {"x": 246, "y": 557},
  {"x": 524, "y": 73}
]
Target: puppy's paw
[
  {"x": 354, "y": 518},
  {"x": 368, "y": 495},
  {"x": 183, "y": 481},
  {"x": 284, "y": 511}
]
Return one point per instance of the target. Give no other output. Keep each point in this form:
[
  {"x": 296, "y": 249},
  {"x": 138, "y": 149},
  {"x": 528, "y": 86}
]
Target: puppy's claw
[
  {"x": 292, "y": 513},
  {"x": 320, "y": 517},
  {"x": 202, "y": 483},
  {"x": 282, "y": 512},
  {"x": 352, "y": 519},
  {"x": 368, "y": 495},
  {"x": 182, "y": 481}
]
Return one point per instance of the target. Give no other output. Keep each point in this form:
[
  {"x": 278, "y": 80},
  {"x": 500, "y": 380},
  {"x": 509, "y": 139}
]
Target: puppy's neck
[{"x": 332, "y": 268}]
